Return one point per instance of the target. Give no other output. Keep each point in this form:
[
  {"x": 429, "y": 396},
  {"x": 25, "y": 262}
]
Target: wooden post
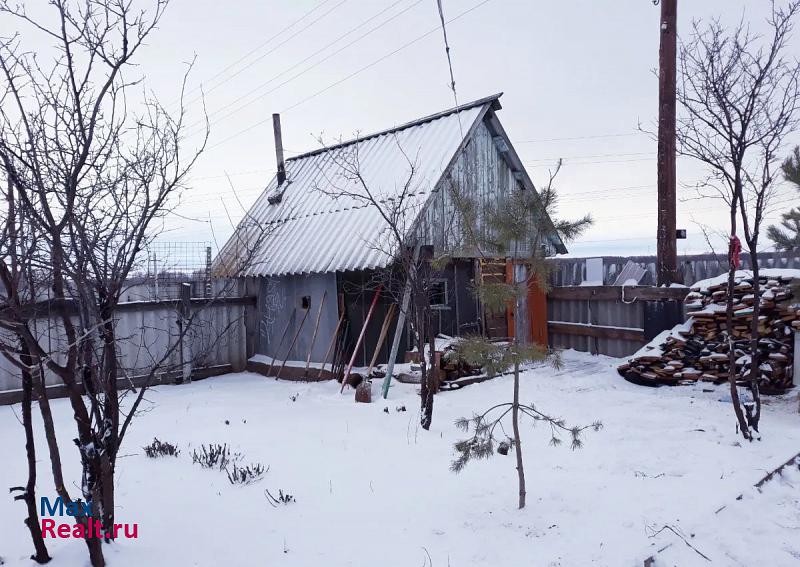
[
  {"x": 294, "y": 340},
  {"x": 382, "y": 337},
  {"x": 316, "y": 329},
  {"x": 667, "y": 247},
  {"x": 360, "y": 337},
  {"x": 185, "y": 346},
  {"x": 330, "y": 346},
  {"x": 280, "y": 344},
  {"x": 511, "y": 319},
  {"x": 401, "y": 321}
]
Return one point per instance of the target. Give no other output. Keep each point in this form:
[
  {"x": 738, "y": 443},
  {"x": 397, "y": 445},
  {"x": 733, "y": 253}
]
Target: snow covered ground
[{"x": 374, "y": 489}]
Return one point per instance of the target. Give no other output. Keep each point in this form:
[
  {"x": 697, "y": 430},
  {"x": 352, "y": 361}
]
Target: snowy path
[{"x": 374, "y": 489}]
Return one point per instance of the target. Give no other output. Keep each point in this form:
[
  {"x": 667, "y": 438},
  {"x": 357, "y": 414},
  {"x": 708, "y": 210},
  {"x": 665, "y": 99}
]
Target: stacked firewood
[
  {"x": 453, "y": 365},
  {"x": 700, "y": 349}
]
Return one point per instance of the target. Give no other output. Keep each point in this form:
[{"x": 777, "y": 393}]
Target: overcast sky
[{"x": 577, "y": 77}]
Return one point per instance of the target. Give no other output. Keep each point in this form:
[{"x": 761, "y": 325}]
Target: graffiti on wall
[{"x": 274, "y": 302}]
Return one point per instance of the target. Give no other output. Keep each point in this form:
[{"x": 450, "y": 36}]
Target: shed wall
[
  {"x": 479, "y": 174},
  {"x": 280, "y": 309}
]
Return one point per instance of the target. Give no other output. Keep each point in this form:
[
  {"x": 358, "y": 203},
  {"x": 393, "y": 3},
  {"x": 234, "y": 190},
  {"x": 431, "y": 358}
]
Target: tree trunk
[
  {"x": 424, "y": 392},
  {"x": 737, "y": 406},
  {"x": 94, "y": 544},
  {"x": 754, "y": 412},
  {"x": 517, "y": 439},
  {"x": 433, "y": 371},
  {"x": 29, "y": 495},
  {"x": 111, "y": 429}
]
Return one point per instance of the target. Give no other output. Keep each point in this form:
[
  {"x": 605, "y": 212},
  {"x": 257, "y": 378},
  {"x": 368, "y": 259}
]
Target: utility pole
[{"x": 667, "y": 247}]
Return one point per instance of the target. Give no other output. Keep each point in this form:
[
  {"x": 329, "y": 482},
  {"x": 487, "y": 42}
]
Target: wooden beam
[
  {"x": 361, "y": 337},
  {"x": 615, "y": 293},
  {"x": 330, "y": 346},
  {"x": 294, "y": 340},
  {"x": 381, "y": 338},
  {"x": 597, "y": 331},
  {"x": 316, "y": 330}
]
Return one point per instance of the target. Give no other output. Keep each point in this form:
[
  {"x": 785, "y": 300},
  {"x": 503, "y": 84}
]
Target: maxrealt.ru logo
[{"x": 88, "y": 529}]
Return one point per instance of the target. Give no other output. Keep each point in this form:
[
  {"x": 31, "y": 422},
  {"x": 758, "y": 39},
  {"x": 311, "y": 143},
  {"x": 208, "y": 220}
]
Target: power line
[
  {"x": 699, "y": 210},
  {"x": 233, "y": 111},
  {"x": 533, "y": 165},
  {"x": 449, "y": 63},
  {"x": 262, "y": 44},
  {"x": 379, "y": 60},
  {"x": 612, "y": 240},
  {"x": 351, "y": 75},
  {"x": 589, "y": 156},
  {"x": 573, "y": 138},
  {"x": 260, "y": 57}
]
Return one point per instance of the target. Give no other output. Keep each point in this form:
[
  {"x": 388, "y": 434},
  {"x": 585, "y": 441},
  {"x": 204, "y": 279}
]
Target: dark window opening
[
  {"x": 305, "y": 302},
  {"x": 438, "y": 294}
]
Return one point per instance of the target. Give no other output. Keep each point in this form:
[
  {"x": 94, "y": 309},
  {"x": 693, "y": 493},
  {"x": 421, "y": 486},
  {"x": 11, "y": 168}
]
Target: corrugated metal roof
[{"x": 310, "y": 230}]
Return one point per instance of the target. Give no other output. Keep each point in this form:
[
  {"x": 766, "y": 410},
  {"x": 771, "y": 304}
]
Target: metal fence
[
  {"x": 147, "y": 331},
  {"x": 615, "y": 321},
  {"x": 696, "y": 267}
]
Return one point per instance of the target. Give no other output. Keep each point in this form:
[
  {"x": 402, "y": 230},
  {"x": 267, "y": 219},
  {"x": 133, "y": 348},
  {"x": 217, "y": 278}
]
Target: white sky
[{"x": 578, "y": 69}]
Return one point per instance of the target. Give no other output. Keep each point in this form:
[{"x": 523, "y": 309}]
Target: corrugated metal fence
[
  {"x": 696, "y": 267},
  {"x": 614, "y": 321},
  {"x": 146, "y": 330}
]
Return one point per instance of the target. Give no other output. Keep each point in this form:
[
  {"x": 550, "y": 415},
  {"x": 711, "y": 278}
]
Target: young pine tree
[{"x": 519, "y": 229}]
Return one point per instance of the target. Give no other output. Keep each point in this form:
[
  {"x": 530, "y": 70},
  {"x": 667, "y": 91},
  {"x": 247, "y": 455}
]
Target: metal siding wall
[
  {"x": 145, "y": 335},
  {"x": 280, "y": 303}
]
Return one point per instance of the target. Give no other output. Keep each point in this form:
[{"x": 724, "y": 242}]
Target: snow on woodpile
[{"x": 699, "y": 349}]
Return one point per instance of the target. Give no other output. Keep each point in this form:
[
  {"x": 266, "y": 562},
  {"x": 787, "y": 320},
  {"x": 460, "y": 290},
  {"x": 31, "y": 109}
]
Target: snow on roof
[{"x": 310, "y": 231}]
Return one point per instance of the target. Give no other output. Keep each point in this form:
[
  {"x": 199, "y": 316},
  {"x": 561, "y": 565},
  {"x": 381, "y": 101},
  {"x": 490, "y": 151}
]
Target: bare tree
[
  {"x": 398, "y": 205},
  {"x": 90, "y": 177},
  {"x": 739, "y": 94},
  {"x": 14, "y": 253}
]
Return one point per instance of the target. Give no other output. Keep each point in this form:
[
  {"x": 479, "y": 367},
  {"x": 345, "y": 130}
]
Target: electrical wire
[
  {"x": 263, "y": 55},
  {"x": 574, "y": 138},
  {"x": 350, "y": 76},
  {"x": 231, "y": 111}
]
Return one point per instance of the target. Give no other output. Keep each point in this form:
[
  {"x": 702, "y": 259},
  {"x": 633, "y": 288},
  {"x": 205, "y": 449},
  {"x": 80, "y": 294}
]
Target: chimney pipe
[{"x": 276, "y": 127}]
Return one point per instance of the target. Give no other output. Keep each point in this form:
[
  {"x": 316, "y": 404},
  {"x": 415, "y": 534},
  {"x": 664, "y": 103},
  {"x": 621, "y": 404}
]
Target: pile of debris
[{"x": 699, "y": 349}]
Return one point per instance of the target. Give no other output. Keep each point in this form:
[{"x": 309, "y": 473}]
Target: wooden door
[{"x": 494, "y": 271}]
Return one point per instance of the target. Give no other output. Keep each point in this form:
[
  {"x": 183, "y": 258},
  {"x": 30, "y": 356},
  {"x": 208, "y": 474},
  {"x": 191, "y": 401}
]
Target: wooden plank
[
  {"x": 294, "y": 341},
  {"x": 537, "y": 313},
  {"x": 510, "y": 315},
  {"x": 316, "y": 329},
  {"x": 597, "y": 331},
  {"x": 382, "y": 337},
  {"x": 614, "y": 293},
  {"x": 361, "y": 337},
  {"x": 280, "y": 344}
]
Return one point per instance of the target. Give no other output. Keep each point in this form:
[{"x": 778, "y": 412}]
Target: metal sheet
[{"x": 311, "y": 231}]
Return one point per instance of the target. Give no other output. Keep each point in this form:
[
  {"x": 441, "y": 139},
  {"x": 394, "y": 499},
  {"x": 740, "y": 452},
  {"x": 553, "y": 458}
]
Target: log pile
[
  {"x": 699, "y": 350},
  {"x": 453, "y": 365}
]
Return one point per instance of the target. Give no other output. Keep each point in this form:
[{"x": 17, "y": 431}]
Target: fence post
[{"x": 185, "y": 346}]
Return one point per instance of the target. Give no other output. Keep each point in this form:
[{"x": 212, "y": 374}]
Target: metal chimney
[{"x": 276, "y": 127}]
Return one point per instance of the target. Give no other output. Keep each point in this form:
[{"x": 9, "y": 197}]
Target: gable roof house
[{"x": 311, "y": 243}]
